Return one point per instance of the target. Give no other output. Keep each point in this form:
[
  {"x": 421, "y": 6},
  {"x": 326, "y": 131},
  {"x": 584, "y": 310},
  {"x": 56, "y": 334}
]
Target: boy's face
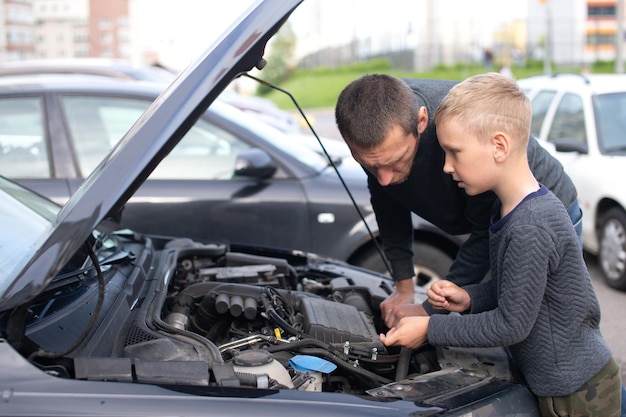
[
  {"x": 468, "y": 159},
  {"x": 391, "y": 161}
]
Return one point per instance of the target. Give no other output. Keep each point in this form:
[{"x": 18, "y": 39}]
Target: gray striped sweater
[{"x": 540, "y": 302}]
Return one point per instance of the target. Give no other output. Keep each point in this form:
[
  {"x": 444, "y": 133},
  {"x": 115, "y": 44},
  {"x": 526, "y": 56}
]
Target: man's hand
[
  {"x": 411, "y": 332},
  {"x": 401, "y": 303},
  {"x": 446, "y": 295}
]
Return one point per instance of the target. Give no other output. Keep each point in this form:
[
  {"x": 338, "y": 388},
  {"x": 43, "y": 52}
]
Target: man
[{"x": 387, "y": 123}]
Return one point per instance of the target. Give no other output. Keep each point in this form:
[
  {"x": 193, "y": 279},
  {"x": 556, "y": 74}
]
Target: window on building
[
  {"x": 106, "y": 53},
  {"x": 106, "y": 38},
  {"x": 105, "y": 23},
  {"x": 600, "y": 11},
  {"x": 597, "y": 39}
]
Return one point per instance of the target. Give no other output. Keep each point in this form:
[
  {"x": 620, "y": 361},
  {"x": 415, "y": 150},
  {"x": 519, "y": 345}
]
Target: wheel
[
  {"x": 612, "y": 251},
  {"x": 431, "y": 264}
]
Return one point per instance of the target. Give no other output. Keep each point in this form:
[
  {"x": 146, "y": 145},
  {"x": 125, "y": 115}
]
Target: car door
[
  {"x": 193, "y": 192},
  {"x": 568, "y": 132}
]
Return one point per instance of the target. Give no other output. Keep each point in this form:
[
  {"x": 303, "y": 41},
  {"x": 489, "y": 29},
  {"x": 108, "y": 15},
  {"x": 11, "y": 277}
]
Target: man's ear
[
  {"x": 422, "y": 119},
  {"x": 501, "y": 146}
]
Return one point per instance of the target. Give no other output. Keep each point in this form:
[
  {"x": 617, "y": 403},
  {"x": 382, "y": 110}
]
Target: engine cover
[{"x": 335, "y": 322}]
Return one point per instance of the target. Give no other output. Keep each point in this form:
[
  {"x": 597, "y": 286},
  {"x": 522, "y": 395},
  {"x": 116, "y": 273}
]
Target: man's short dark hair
[{"x": 370, "y": 105}]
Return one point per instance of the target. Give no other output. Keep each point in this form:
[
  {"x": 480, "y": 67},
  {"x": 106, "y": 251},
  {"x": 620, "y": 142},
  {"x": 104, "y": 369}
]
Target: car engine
[
  {"x": 308, "y": 324},
  {"x": 175, "y": 312}
]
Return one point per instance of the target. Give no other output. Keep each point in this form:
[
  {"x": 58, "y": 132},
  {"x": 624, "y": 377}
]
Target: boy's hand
[
  {"x": 446, "y": 295},
  {"x": 411, "y": 332}
]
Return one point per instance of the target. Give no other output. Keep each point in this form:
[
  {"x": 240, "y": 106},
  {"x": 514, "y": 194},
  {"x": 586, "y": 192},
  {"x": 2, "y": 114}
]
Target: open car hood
[{"x": 103, "y": 194}]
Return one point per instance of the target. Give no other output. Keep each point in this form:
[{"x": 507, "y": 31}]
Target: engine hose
[
  {"x": 258, "y": 381},
  {"x": 297, "y": 345},
  {"x": 322, "y": 350},
  {"x": 281, "y": 322},
  {"x": 252, "y": 380},
  {"x": 345, "y": 365},
  {"x": 402, "y": 369},
  {"x": 271, "y": 312}
]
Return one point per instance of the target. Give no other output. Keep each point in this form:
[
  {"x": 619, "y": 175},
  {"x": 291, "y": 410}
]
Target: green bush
[{"x": 320, "y": 87}]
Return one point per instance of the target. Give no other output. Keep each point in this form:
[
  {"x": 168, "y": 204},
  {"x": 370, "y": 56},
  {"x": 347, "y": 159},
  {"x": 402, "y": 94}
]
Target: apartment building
[
  {"x": 570, "y": 31},
  {"x": 109, "y": 32},
  {"x": 64, "y": 29},
  {"x": 61, "y": 28},
  {"x": 601, "y": 30},
  {"x": 16, "y": 24}
]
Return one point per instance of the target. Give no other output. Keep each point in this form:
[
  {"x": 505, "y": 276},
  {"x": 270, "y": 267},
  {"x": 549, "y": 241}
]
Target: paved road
[
  {"x": 323, "y": 121},
  {"x": 612, "y": 302},
  {"x": 613, "y": 305}
]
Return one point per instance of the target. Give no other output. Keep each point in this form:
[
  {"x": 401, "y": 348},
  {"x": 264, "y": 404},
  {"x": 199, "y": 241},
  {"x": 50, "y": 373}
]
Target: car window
[
  {"x": 290, "y": 143},
  {"x": 96, "y": 124},
  {"x": 610, "y": 111},
  {"x": 569, "y": 120},
  {"x": 206, "y": 152},
  {"x": 23, "y": 152},
  {"x": 540, "y": 104}
]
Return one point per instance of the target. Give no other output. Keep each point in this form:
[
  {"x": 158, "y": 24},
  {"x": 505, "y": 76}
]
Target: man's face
[{"x": 391, "y": 161}]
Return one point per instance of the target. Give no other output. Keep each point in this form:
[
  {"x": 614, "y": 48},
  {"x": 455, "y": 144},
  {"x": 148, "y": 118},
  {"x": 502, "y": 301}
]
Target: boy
[{"x": 540, "y": 302}]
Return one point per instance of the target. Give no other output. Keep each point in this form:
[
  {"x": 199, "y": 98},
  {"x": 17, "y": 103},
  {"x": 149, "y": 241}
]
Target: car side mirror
[
  {"x": 570, "y": 145},
  {"x": 254, "y": 162}
]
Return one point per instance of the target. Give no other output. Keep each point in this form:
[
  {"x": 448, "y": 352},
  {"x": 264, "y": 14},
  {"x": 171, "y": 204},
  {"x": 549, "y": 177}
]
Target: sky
[
  {"x": 316, "y": 22},
  {"x": 341, "y": 20}
]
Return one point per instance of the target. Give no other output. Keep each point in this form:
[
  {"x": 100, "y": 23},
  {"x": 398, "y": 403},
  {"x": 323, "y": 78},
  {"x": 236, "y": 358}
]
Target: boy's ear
[{"x": 501, "y": 146}]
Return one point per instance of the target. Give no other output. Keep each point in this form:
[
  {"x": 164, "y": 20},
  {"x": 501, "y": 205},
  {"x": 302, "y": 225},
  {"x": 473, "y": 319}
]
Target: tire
[
  {"x": 612, "y": 248},
  {"x": 431, "y": 264}
]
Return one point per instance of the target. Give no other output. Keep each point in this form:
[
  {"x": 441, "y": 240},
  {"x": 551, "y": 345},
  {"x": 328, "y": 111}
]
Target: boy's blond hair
[{"x": 487, "y": 103}]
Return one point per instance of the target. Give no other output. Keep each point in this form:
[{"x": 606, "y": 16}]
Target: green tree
[{"x": 280, "y": 58}]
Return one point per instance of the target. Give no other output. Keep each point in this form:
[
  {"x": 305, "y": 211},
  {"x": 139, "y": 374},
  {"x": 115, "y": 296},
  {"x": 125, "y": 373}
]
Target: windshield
[
  {"x": 26, "y": 219},
  {"x": 611, "y": 122}
]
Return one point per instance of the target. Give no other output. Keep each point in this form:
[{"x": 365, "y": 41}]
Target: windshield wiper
[{"x": 71, "y": 277}]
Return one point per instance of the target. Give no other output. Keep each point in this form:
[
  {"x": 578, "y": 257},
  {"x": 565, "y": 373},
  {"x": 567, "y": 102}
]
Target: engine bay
[
  {"x": 317, "y": 326},
  {"x": 183, "y": 313}
]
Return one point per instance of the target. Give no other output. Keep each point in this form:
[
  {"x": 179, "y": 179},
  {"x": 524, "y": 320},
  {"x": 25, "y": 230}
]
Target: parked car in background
[
  {"x": 265, "y": 110},
  {"x": 100, "y": 320},
  {"x": 231, "y": 177},
  {"x": 104, "y": 67},
  {"x": 259, "y": 107},
  {"x": 582, "y": 120}
]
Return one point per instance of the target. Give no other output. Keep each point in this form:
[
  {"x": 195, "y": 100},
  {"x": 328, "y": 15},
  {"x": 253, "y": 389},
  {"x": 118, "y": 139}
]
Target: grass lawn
[{"x": 319, "y": 88}]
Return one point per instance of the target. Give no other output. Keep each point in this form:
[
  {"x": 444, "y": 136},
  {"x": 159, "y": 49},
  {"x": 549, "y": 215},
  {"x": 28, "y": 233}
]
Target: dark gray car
[
  {"x": 230, "y": 178},
  {"x": 97, "y": 320}
]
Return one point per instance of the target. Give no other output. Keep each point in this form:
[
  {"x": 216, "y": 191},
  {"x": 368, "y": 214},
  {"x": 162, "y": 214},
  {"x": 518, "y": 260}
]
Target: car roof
[
  {"x": 36, "y": 83},
  {"x": 112, "y": 68},
  {"x": 595, "y": 83}
]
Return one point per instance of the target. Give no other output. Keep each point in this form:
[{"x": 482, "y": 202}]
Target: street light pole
[
  {"x": 619, "y": 38},
  {"x": 547, "y": 56}
]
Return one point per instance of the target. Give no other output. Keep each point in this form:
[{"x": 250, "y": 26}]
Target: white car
[{"x": 582, "y": 120}]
